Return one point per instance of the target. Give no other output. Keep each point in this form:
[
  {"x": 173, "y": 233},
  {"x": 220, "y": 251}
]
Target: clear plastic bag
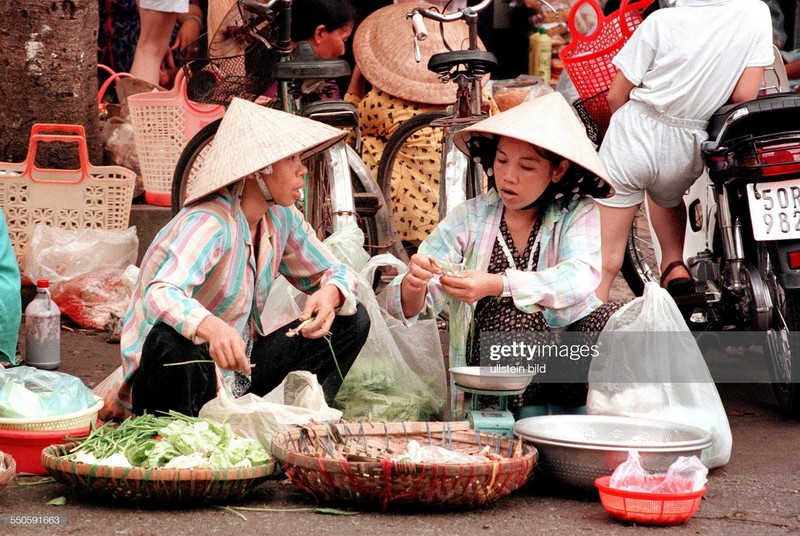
[
  {"x": 399, "y": 374},
  {"x": 297, "y": 400},
  {"x": 99, "y": 299},
  {"x": 685, "y": 475},
  {"x": 649, "y": 366},
  {"x": 27, "y": 392},
  {"x": 348, "y": 245},
  {"x": 62, "y": 254}
]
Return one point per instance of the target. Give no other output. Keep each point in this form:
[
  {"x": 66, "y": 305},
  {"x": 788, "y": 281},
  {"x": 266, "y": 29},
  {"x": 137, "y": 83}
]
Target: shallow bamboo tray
[
  {"x": 139, "y": 484},
  {"x": 351, "y": 462}
]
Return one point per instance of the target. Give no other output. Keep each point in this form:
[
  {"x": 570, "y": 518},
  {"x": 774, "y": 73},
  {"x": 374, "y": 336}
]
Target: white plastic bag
[
  {"x": 649, "y": 366},
  {"x": 63, "y": 254},
  {"x": 348, "y": 245},
  {"x": 399, "y": 374},
  {"x": 284, "y": 305},
  {"x": 297, "y": 400}
]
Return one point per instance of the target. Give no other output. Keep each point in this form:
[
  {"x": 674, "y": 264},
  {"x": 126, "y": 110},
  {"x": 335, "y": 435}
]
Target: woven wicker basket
[
  {"x": 7, "y": 475},
  {"x": 140, "y": 484},
  {"x": 343, "y": 462},
  {"x": 68, "y": 421}
]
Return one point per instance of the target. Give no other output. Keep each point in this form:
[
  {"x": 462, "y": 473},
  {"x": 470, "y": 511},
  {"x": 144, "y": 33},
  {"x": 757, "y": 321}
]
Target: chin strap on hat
[{"x": 263, "y": 186}]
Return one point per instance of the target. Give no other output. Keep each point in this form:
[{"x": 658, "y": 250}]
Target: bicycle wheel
[
  {"x": 640, "y": 264},
  {"x": 190, "y": 162},
  {"x": 405, "y": 141},
  {"x": 320, "y": 214}
]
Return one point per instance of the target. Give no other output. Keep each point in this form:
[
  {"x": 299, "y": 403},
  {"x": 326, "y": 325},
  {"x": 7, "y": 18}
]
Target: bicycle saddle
[
  {"x": 336, "y": 113},
  {"x": 307, "y": 66},
  {"x": 478, "y": 62}
]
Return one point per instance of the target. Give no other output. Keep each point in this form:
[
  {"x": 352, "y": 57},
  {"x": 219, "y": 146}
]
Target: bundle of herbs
[{"x": 173, "y": 441}]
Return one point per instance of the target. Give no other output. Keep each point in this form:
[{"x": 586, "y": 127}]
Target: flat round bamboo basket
[
  {"x": 352, "y": 462},
  {"x": 141, "y": 484},
  {"x": 7, "y": 475}
]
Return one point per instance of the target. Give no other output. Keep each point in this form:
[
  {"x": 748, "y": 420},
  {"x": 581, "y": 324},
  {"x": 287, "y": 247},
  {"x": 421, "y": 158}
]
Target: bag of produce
[
  {"x": 399, "y": 374},
  {"x": 650, "y": 366}
]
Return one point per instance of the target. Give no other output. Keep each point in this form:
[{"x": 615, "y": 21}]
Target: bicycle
[
  {"x": 259, "y": 34},
  {"x": 460, "y": 179}
]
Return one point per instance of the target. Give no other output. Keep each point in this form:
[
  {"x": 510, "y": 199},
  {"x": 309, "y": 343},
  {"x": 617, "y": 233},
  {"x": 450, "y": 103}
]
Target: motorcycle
[{"x": 743, "y": 235}]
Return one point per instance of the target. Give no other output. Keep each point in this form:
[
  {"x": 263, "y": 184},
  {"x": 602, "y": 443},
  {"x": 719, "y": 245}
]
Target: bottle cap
[{"x": 42, "y": 283}]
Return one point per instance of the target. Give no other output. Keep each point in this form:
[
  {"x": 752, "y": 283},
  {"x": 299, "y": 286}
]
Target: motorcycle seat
[{"x": 769, "y": 114}]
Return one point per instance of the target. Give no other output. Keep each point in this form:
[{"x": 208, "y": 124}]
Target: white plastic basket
[
  {"x": 163, "y": 122},
  {"x": 90, "y": 197},
  {"x": 68, "y": 421}
]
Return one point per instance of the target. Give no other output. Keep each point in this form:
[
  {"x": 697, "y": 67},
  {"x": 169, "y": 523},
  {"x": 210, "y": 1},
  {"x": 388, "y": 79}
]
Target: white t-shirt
[{"x": 686, "y": 60}]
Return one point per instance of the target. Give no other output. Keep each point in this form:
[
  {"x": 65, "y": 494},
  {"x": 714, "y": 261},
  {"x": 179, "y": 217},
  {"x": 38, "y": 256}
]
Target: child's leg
[
  {"x": 153, "y": 44},
  {"x": 670, "y": 227},
  {"x": 615, "y": 224}
]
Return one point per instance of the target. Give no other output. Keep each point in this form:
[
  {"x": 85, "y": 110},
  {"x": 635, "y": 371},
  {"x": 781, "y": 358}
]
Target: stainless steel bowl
[
  {"x": 574, "y": 450},
  {"x": 486, "y": 379}
]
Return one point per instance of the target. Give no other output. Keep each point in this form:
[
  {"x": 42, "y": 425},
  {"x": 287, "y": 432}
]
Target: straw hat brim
[
  {"x": 221, "y": 14},
  {"x": 251, "y": 137},
  {"x": 550, "y": 123},
  {"x": 383, "y": 48}
]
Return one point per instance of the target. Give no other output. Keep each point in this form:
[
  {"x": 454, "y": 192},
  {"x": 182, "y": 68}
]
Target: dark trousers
[{"x": 185, "y": 388}]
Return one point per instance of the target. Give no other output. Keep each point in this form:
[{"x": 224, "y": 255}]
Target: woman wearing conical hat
[
  {"x": 399, "y": 89},
  {"x": 529, "y": 248},
  {"x": 205, "y": 279}
]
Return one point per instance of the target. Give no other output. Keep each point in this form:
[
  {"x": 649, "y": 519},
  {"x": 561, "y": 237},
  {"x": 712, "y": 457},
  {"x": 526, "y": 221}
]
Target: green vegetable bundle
[{"x": 171, "y": 441}]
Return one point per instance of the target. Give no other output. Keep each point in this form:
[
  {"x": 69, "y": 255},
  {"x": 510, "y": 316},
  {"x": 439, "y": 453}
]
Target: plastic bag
[
  {"x": 649, "y": 366},
  {"x": 399, "y": 374},
  {"x": 27, "y": 392},
  {"x": 119, "y": 147},
  {"x": 416, "y": 453},
  {"x": 297, "y": 400},
  {"x": 284, "y": 305},
  {"x": 63, "y": 254},
  {"x": 686, "y": 474},
  {"x": 348, "y": 245},
  {"x": 524, "y": 88},
  {"x": 99, "y": 299}
]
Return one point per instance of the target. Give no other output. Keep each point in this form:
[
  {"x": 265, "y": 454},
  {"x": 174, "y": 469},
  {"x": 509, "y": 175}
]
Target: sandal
[{"x": 680, "y": 286}]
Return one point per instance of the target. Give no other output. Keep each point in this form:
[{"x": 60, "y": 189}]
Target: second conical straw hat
[{"x": 383, "y": 47}]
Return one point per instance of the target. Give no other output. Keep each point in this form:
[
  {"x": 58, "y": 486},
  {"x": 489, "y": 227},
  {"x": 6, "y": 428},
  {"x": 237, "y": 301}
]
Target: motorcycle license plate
[{"x": 775, "y": 211}]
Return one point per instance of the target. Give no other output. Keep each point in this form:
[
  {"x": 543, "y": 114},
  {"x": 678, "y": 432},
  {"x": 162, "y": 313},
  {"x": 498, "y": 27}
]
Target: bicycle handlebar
[
  {"x": 450, "y": 17},
  {"x": 283, "y": 10},
  {"x": 417, "y": 16}
]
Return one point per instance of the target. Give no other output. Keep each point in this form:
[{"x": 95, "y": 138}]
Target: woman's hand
[
  {"x": 225, "y": 344},
  {"x": 414, "y": 287},
  {"x": 322, "y": 306},
  {"x": 472, "y": 285}
]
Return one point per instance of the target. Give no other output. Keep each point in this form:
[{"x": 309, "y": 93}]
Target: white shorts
[
  {"x": 168, "y": 6},
  {"x": 647, "y": 151}
]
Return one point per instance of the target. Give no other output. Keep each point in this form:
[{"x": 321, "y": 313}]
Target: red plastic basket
[
  {"x": 26, "y": 446},
  {"x": 648, "y": 508},
  {"x": 587, "y": 59}
]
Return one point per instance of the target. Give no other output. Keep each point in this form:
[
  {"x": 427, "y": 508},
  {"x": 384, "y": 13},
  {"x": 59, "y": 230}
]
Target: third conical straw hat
[
  {"x": 251, "y": 137},
  {"x": 383, "y": 47}
]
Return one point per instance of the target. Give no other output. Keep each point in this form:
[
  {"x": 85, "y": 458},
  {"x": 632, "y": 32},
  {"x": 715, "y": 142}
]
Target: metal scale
[{"x": 499, "y": 420}]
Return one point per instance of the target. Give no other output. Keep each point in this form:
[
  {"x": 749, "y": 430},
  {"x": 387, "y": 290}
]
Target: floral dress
[{"x": 415, "y": 183}]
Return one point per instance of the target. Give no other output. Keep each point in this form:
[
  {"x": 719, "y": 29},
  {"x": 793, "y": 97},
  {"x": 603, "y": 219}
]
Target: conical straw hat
[
  {"x": 383, "y": 47},
  {"x": 549, "y": 122},
  {"x": 221, "y": 14},
  {"x": 251, "y": 137}
]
